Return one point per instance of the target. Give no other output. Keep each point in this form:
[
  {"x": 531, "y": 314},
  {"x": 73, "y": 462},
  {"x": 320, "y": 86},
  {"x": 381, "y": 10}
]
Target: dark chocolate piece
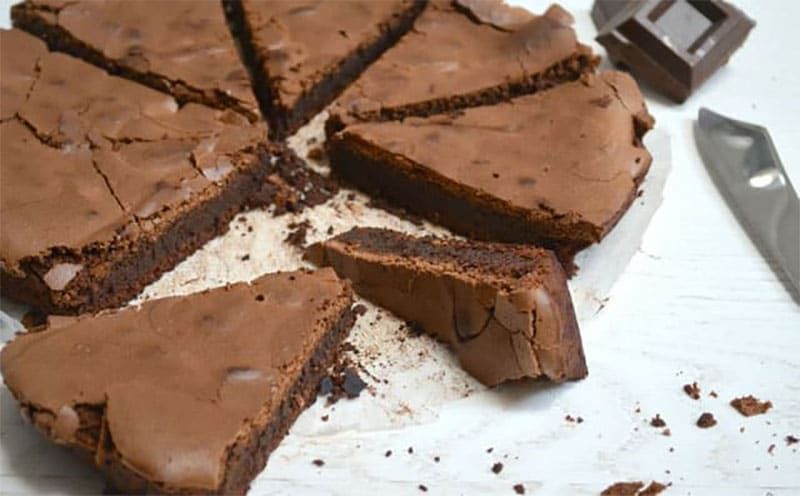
[
  {"x": 557, "y": 168},
  {"x": 465, "y": 54},
  {"x": 302, "y": 54},
  {"x": 187, "y": 394},
  {"x": 107, "y": 184},
  {"x": 505, "y": 309},
  {"x": 673, "y": 45},
  {"x": 181, "y": 47}
]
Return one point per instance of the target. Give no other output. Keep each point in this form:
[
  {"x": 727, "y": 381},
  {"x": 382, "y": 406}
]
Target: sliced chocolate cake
[
  {"x": 505, "y": 309},
  {"x": 304, "y": 53},
  {"x": 188, "y": 394},
  {"x": 464, "y": 54},
  {"x": 181, "y": 47},
  {"x": 556, "y": 169},
  {"x": 107, "y": 184}
]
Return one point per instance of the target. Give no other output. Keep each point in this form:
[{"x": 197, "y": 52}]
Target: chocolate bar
[{"x": 673, "y": 45}]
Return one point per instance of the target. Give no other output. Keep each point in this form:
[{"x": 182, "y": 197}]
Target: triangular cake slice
[
  {"x": 184, "y": 394},
  {"x": 556, "y": 169},
  {"x": 181, "y": 47},
  {"x": 505, "y": 309},
  {"x": 465, "y": 53},
  {"x": 303, "y": 53}
]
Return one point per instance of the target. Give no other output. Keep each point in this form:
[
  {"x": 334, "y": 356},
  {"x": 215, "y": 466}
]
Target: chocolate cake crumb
[
  {"x": 713, "y": 394},
  {"x": 312, "y": 140},
  {"x": 325, "y": 418},
  {"x": 245, "y": 258},
  {"x": 423, "y": 488},
  {"x": 706, "y": 420},
  {"x": 569, "y": 418},
  {"x": 330, "y": 230},
  {"x": 351, "y": 196},
  {"x": 436, "y": 459},
  {"x": 623, "y": 489},
  {"x": 318, "y": 462},
  {"x": 34, "y": 319},
  {"x": 692, "y": 390},
  {"x": 410, "y": 450},
  {"x": 414, "y": 330},
  {"x": 790, "y": 440},
  {"x": 750, "y": 405},
  {"x": 657, "y": 421},
  {"x": 316, "y": 154},
  {"x": 653, "y": 489},
  {"x": 297, "y": 233},
  {"x": 342, "y": 381},
  {"x": 388, "y": 453},
  {"x": 489, "y": 450},
  {"x": 771, "y": 449},
  {"x": 497, "y": 467},
  {"x": 360, "y": 309},
  {"x": 666, "y": 432},
  {"x": 519, "y": 489}
]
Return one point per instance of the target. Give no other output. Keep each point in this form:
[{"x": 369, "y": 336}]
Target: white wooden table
[{"x": 696, "y": 303}]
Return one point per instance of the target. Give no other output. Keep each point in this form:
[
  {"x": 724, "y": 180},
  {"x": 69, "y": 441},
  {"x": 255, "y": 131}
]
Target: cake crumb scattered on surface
[
  {"x": 771, "y": 448},
  {"x": 318, "y": 462},
  {"x": 489, "y": 450},
  {"x": 713, "y": 394},
  {"x": 634, "y": 488},
  {"x": 666, "y": 432},
  {"x": 325, "y": 418},
  {"x": 436, "y": 459},
  {"x": 692, "y": 390},
  {"x": 423, "y": 488},
  {"x": 297, "y": 233},
  {"x": 623, "y": 489},
  {"x": 750, "y": 405},
  {"x": 657, "y": 421},
  {"x": 519, "y": 489},
  {"x": 706, "y": 420},
  {"x": 790, "y": 440},
  {"x": 360, "y": 309},
  {"x": 497, "y": 468},
  {"x": 410, "y": 450},
  {"x": 316, "y": 154}
]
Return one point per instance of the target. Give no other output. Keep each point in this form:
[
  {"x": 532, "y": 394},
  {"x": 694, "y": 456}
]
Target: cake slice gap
[
  {"x": 183, "y": 395},
  {"x": 504, "y": 309}
]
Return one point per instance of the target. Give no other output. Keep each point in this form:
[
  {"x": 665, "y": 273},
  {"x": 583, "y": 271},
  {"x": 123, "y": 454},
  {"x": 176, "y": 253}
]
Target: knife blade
[{"x": 744, "y": 164}]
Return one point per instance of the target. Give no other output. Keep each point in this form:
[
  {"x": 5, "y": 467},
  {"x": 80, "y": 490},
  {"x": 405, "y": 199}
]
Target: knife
[{"x": 743, "y": 162}]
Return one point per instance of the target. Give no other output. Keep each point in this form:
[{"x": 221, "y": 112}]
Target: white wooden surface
[{"x": 696, "y": 303}]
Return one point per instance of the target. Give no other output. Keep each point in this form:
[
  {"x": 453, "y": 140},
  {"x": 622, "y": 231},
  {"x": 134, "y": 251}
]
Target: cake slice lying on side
[
  {"x": 465, "y": 53},
  {"x": 185, "y": 394},
  {"x": 505, "y": 309},
  {"x": 556, "y": 169},
  {"x": 302, "y": 54},
  {"x": 181, "y": 47}
]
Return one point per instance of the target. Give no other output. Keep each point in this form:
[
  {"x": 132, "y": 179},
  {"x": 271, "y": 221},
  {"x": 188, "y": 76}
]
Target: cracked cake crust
[
  {"x": 504, "y": 309},
  {"x": 107, "y": 184}
]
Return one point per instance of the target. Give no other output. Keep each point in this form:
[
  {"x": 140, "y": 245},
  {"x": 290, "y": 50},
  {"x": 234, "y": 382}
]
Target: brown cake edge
[
  {"x": 246, "y": 458},
  {"x": 111, "y": 277},
  {"x": 564, "y": 71},
  {"x": 445, "y": 202},
  {"x": 284, "y": 121},
  {"x": 33, "y": 19}
]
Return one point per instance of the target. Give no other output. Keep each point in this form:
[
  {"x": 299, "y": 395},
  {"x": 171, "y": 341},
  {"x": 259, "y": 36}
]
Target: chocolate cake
[
  {"x": 303, "y": 53},
  {"x": 505, "y": 309},
  {"x": 557, "y": 168},
  {"x": 188, "y": 394},
  {"x": 181, "y": 47},
  {"x": 464, "y": 54},
  {"x": 107, "y": 183}
]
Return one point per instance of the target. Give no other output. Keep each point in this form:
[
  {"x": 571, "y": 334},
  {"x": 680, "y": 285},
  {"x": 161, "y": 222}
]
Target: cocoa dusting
[
  {"x": 692, "y": 390},
  {"x": 750, "y": 405},
  {"x": 706, "y": 420}
]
